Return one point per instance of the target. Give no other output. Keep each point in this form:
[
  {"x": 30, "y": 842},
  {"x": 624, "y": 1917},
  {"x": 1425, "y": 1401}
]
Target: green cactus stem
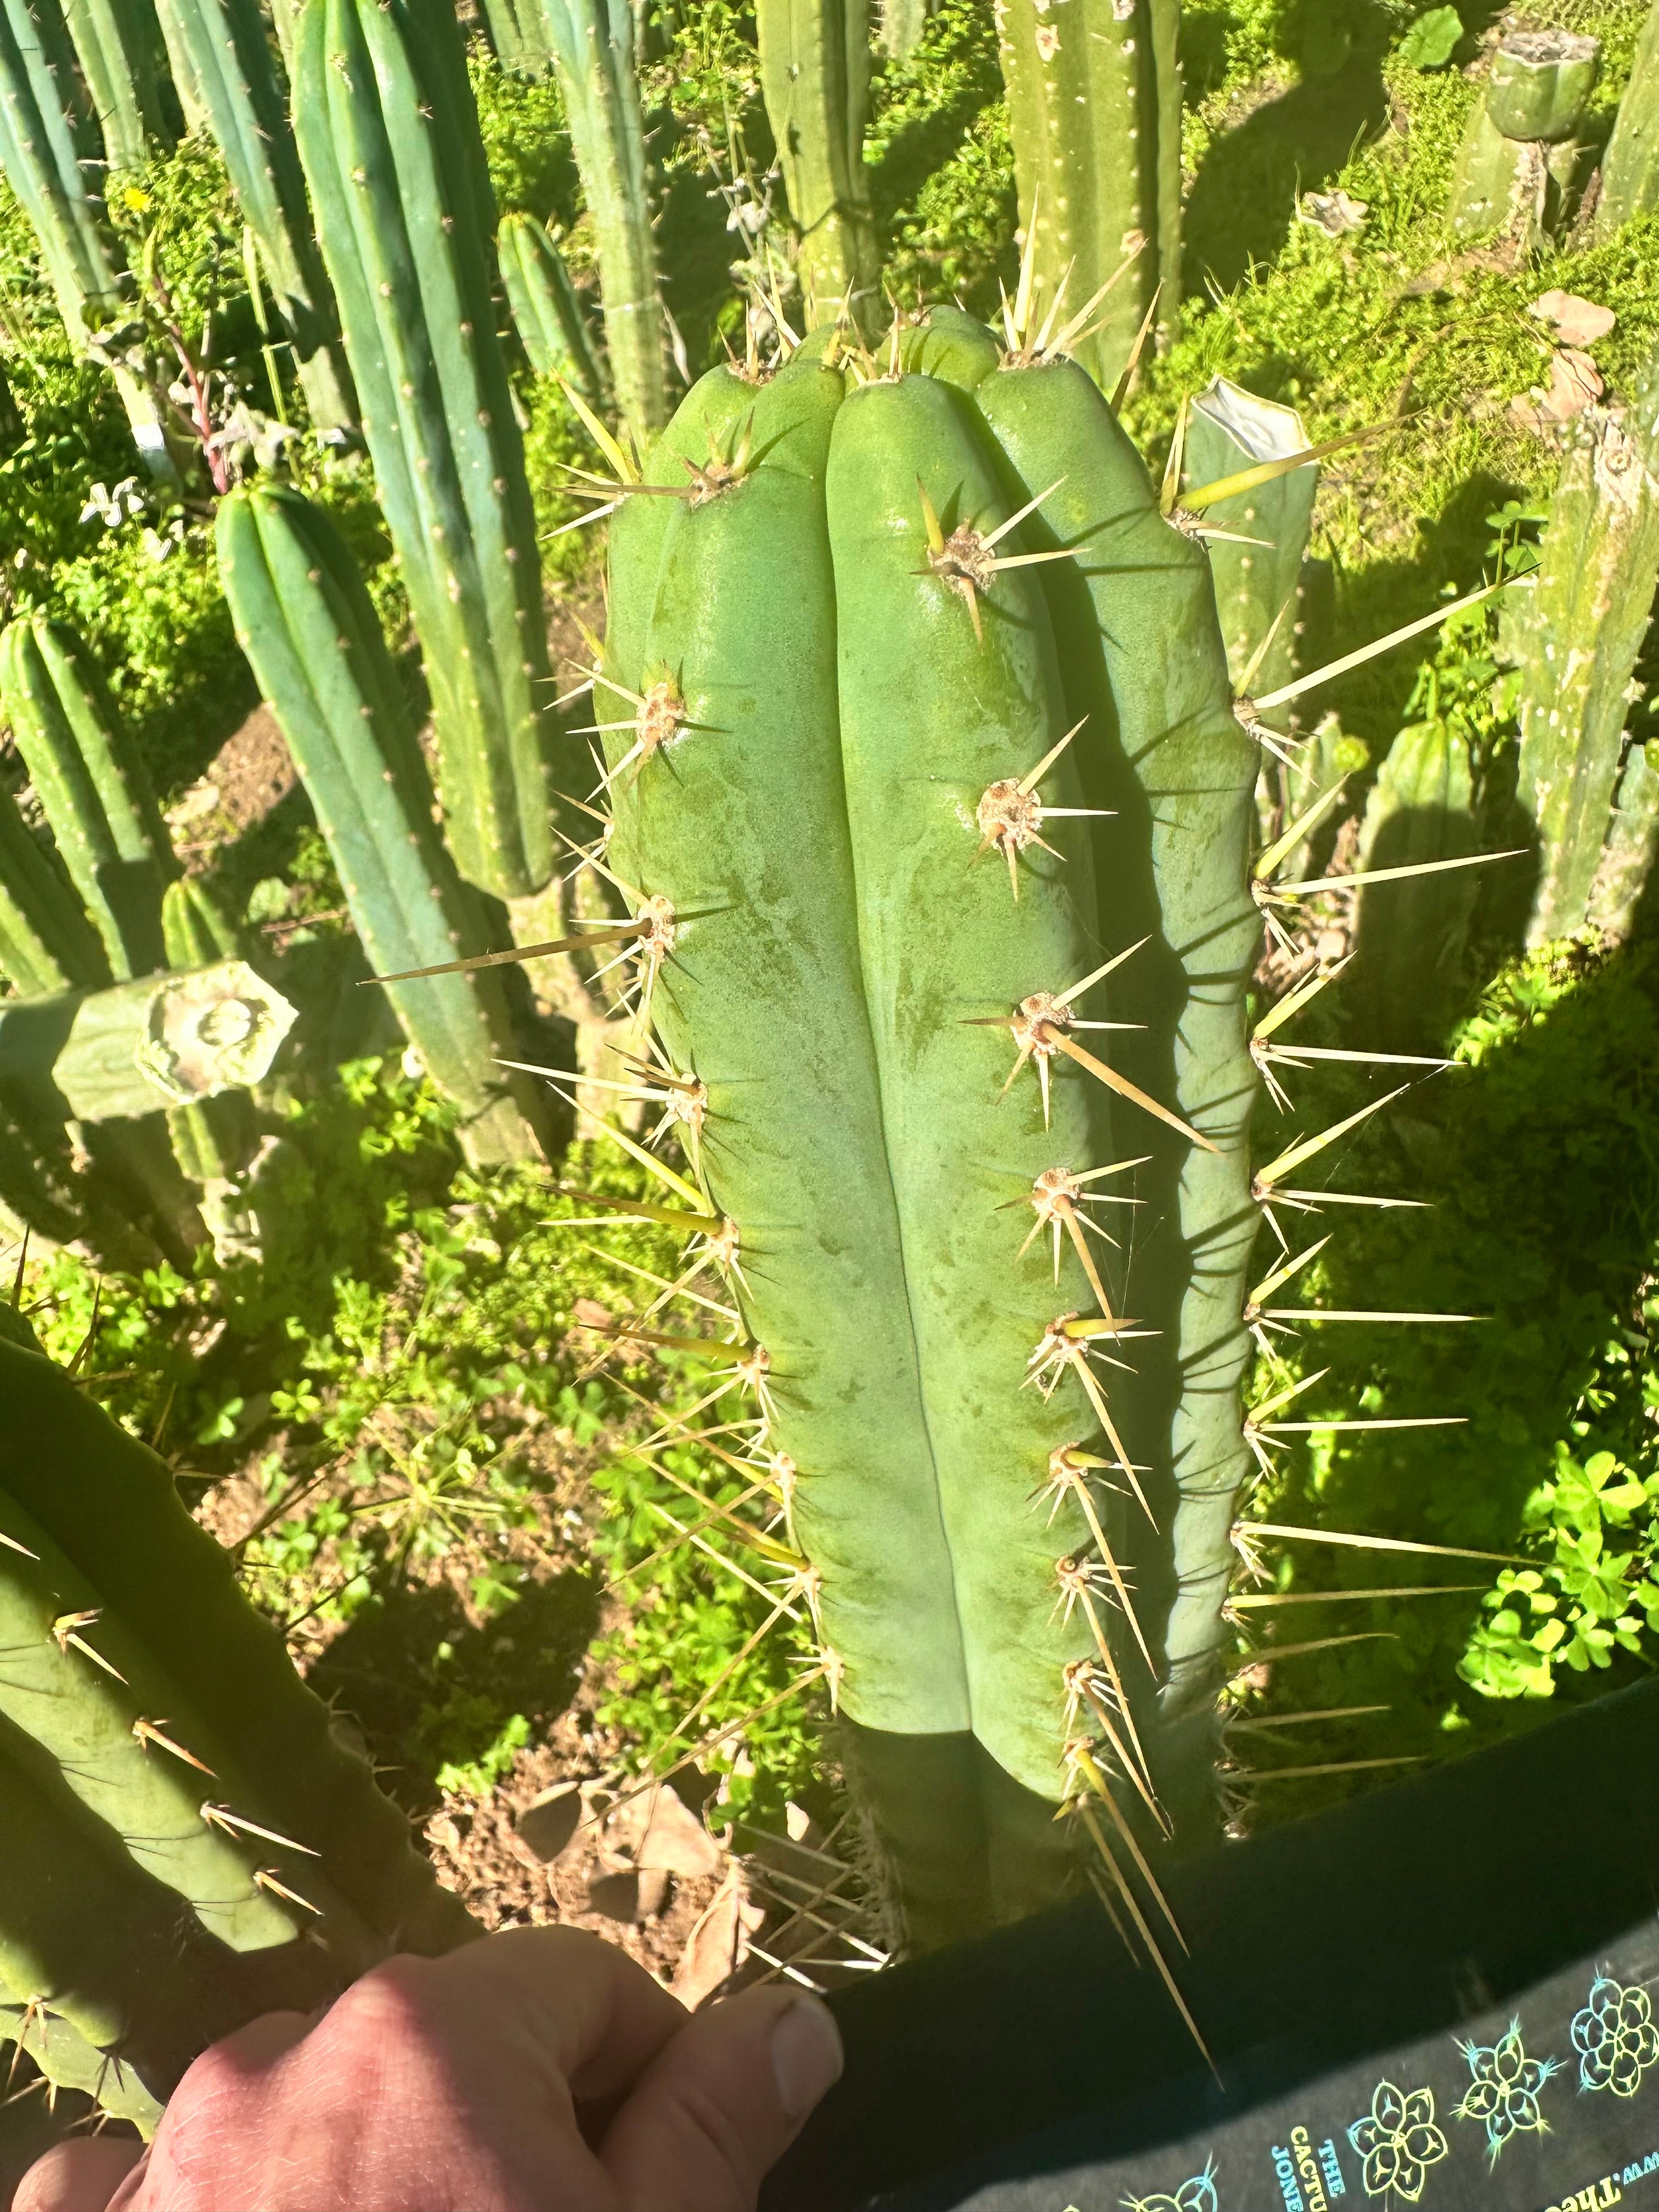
[
  {"x": 1575, "y": 636},
  {"x": 91, "y": 786},
  {"x": 1412, "y": 933},
  {"x": 118, "y": 45},
  {"x": 1147, "y": 662},
  {"x": 963, "y": 675},
  {"x": 519, "y": 34},
  {"x": 47, "y": 942},
  {"x": 213, "y": 1138},
  {"x": 223, "y": 48},
  {"x": 46, "y": 138},
  {"x": 285, "y": 21},
  {"x": 1094, "y": 109},
  {"x": 1630, "y": 167},
  {"x": 186, "y": 1843},
  {"x": 138, "y": 1046},
  {"x": 1518, "y": 164},
  {"x": 1258, "y": 586},
  {"x": 546, "y": 310},
  {"x": 1626, "y": 861},
  {"x": 305, "y": 621},
  {"x": 593, "y": 46},
  {"x": 903, "y": 24},
  {"x": 389, "y": 139},
  {"x": 815, "y": 74}
]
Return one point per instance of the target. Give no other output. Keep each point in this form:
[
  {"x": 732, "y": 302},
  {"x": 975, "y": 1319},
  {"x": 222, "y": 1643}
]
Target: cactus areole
[{"x": 972, "y": 794}]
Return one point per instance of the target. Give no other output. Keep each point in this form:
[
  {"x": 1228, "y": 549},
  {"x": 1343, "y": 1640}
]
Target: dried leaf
[
  {"x": 1576, "y": 322},
  {"x": 719, "y": 1945}
]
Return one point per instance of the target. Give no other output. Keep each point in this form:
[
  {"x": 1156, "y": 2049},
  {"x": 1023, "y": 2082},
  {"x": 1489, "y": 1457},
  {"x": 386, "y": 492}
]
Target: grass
[{"x": 454, "y": 1511}]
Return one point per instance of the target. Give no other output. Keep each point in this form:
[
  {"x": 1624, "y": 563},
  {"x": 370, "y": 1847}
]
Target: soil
[{"x": 252, "y": 772}]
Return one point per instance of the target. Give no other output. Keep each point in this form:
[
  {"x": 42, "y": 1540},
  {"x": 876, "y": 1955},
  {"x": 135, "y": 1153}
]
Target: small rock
[
  {"x": 1333, "y": 212},
  {"x": 1576, "y": 322}
]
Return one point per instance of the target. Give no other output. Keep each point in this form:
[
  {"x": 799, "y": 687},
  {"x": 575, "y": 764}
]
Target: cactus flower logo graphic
[
  {"x": 1504, "y": 2094},
  {"x": 1399, "y": 2141},
  {"x": 1197, "y": 2195},
  {"x": 1615, "y": 2037}
]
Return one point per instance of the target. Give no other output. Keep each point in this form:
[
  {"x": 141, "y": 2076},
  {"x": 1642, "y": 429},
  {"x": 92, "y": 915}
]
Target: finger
[
  {"x": 722, "y": 2103},
  {"x": 77, "y": 2177},
  {"x": 597, "y": 2018}
]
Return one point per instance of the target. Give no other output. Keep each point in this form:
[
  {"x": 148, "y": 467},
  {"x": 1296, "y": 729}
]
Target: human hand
[{"x": 539, "y": 2070}]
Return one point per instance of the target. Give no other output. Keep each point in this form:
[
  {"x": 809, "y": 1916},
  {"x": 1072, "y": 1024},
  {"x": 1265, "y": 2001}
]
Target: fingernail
[{"x": 807, "y": 2055}]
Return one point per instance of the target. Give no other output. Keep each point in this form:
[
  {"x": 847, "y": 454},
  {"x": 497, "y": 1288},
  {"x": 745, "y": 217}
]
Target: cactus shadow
[
  {"x": 1242, "y": 201},
  {"x": 426, "y": 1682},
  {"x": 1540, "y": 1168}
]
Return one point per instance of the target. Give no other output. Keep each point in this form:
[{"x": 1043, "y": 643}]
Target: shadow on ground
[{"x": 425, "y": 1687}]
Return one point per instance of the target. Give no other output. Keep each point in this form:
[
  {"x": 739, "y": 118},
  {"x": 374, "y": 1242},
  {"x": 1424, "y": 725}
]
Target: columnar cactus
[
  {"x": 305, "y": 623},
  {"x": 186, "y": 1842},
  {"x": 119, "y": 47},
  {"x": 1411, "y": 933},
  {"x": 1627, "y": 857},
  {"x": 47, "y": 942},
  {"x": 1258, "y": 539},
  {"x": 815, "y": 74},
  {"x": 903, "y": 24},
  {"x": 593, "y": 46},
  {"x": 1094, "y": 108},
  {"x": 546, "y": 311},
  {"x": 221, "y": 47},
  {"x": 45, "y": 138},
  {"x": 212, "y": 1138},
  {"x": 1518, "y": 164},
  {"x": 389, "y": 139},
  {"x": 136, "y": 1047},
  {"x": 963, "y": 973},
  {"x": 92, "y": 788},
  {"x": 1630, "y": 167},
  {"x": 1576, "y": 639},
  {"x": 518, "y": 31}
]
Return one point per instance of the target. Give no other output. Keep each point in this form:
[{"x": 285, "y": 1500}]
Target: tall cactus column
[
  {"x": 305, "y": 621},
  {"x": 593, "y": 44},
  {"x": 119, "y": 45},
  {"x": 1518, "y": 163},
  {"x": 92, "y": 785},
  {"x": 1094, "y": 108},
  {"x": 815, "y": 72},
  {"x": 44, "y": 140},
  {"x": 389, "y": 139},
  {"x": 1630, "y": 167},
  {"x": 221, "y": 47},
  {"x": 1576, "y": 637}
]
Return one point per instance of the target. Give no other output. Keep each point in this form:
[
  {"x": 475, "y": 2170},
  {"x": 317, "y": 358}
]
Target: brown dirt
[{"x": 252, "y": 772}]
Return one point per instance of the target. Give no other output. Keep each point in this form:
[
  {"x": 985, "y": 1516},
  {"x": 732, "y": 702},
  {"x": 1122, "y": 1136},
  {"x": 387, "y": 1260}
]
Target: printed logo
[
  {"x": 1197, "y": 2195},
  {"x": 1615, "y": 2037},
  {"x": 1503, "y": 2094},
  {"x": 1399, "y": 2141}
]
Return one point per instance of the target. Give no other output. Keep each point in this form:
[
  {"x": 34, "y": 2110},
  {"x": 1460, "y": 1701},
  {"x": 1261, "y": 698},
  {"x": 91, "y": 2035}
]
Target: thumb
[{"x": 722, "y": 2102}]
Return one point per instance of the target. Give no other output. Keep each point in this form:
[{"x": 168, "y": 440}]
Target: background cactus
[
  {"x": 46, "y": 140},
  {"x": 304, "y": 620},
  {"x": 546, "y": 310},
  {"x": 119, "y": 47},
  {"x": 1576, "y": 639},
  {"x": 1630, "y": 166},
  {"x": 186, "y": 1842},
  {"x": 46, "y": 941},
  {"x": 815, "y": 72},
  {"x": 1518, "y": 165},
  {"x": 1094, "y": 110},
  {"x": 92, "y": 785},
  {"x": 222, "y": 49},
  {"x": 592, "y": 44},
  {"x": 389, "y": 139}
]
